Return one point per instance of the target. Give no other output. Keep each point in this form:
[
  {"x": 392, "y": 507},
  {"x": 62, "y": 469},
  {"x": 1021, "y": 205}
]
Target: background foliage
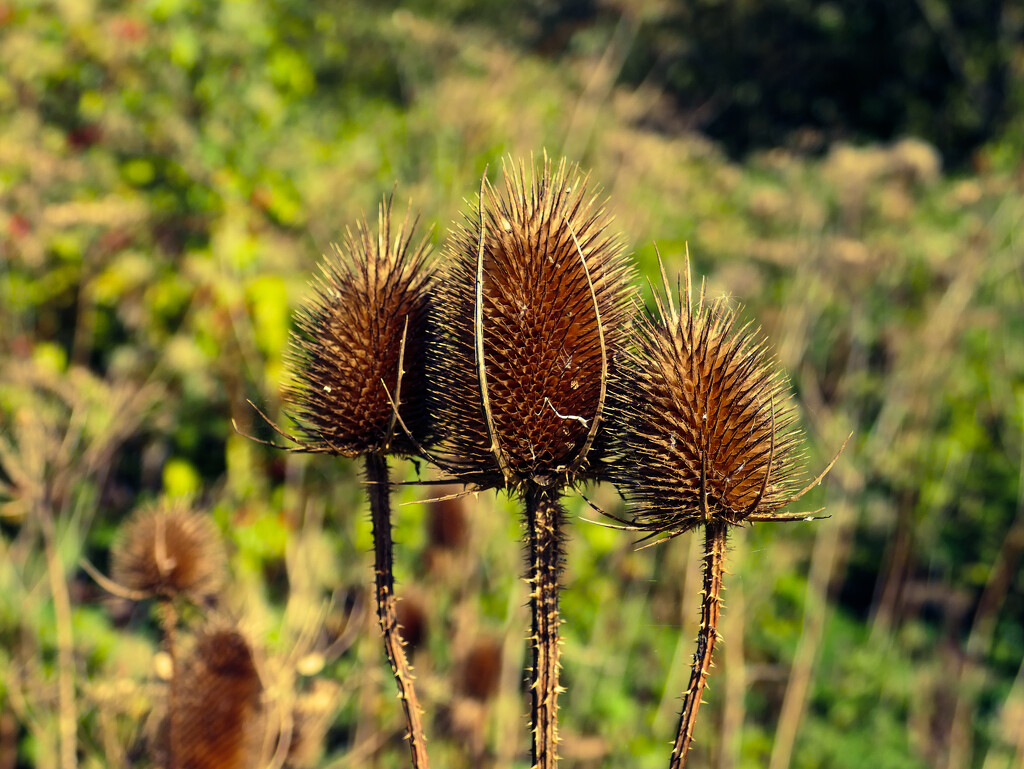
[{"x": 170, "y": 171}]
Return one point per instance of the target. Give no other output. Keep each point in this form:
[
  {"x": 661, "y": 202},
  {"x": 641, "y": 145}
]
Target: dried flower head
[
  {"x": 362, "y": 332},
  {"x": 709, "y": 433},
  {"x": 169, "y": 551},
  {"x": 533, "y": 310},
  {"x": 215, "y": 715},
  {"x": 708, "y": 439}
]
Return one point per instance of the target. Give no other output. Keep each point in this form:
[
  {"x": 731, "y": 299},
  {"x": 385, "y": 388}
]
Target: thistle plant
[
  {"x": 357, "y": 360},
  {"x": 532, "y": 313},
  {"x": 169, "y": 553},
  {"x": 215, "y": 718},
  {"x": 709, "y": 439}
]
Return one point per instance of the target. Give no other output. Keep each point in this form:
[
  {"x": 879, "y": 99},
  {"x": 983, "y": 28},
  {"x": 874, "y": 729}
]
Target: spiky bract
[
  {"x": 538, "y": 285},
  {"x": 169, "y": 551},
  {"x": 366, "y": 314},
  {"x": 709, "y": 434}
]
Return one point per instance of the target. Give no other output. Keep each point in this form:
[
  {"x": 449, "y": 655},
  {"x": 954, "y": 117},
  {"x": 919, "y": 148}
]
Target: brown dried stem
[
  {"x": 544, "y": 517},
  {"x": 715, "y": 536},
  {"x": 387, "y": 616}
]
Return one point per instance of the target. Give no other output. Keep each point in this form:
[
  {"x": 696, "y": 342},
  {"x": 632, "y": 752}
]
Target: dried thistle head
[
  {"x": 361, "y": 332},
  {"x": 708, "y": 432},
  {"x": 216, "y": 715},
  {"x": 169, "y": 551},
  {"x": 532, "y": 313},
  {"x": 312, "y": 715}
]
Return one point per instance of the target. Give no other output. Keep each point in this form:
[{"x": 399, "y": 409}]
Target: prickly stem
[
  {"x": 384, "y": 581},
  {"x": 715, "y": 535},
  {"x": 544, "y": 518}
]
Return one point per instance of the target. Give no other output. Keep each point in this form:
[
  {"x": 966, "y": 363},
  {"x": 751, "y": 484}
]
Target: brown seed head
[
  {"x": 169, "y": 551},
  {"x": 216, "y": 714},
  {"x": 447, "y": 523},
  {"x": 366, "y": 317},
  {"x": 481, "y": 669},
  {"x": 533, "y": 311},
  {"x": 709, "y": 432}
]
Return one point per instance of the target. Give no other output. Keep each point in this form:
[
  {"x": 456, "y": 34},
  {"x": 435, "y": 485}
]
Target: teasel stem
[
  {"x": 380, "y": 513},
  {"x": 715, "y": 536},
  {"x": 544, "y": 518}
]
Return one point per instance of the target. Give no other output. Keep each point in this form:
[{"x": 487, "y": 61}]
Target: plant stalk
[
  {"x": 67, "y": 714},
  {"x": 715, "y": 535},
  {"x": 544, "y": 517},
  {"x": 384, "y": 580}
]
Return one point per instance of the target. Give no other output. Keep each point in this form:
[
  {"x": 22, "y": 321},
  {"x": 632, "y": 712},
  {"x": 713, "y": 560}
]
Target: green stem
[
  {"x": 384, "y": 580},
  {"x": 715, "y": 536}
]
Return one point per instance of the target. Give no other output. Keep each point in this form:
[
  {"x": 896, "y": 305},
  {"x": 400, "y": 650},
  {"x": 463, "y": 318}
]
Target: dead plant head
[
  {"x": 360, "y": 343},
  {"x": 710, "y": 433},
  {"x": 168, "y": 551},
  {"x": 215, "y": 715},
  {"x": 532, "y": 313}
]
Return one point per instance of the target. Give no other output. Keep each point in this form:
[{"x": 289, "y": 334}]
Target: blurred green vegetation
[{"x": 170, "y": 171}]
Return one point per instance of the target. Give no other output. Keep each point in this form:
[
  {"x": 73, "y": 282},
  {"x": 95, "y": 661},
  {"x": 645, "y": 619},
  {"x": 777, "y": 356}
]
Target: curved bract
[{"x": 533, "y": 313}]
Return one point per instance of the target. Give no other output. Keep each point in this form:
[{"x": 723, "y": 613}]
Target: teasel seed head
[
  {"x": 168, "y": 551},
  {"x": 359, "y": 344},
  {"x": 216, "y": 713},
  {"x": 707, "y": 430},
  {"x": 533, "y": 310}
]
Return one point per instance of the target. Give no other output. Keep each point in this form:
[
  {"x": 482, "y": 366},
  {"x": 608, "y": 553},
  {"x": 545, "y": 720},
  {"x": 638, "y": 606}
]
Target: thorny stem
[
  {"x": 715, "y": 535},
  {"x": 544, "y": 516},
  {"x": 384, "y": 580}
]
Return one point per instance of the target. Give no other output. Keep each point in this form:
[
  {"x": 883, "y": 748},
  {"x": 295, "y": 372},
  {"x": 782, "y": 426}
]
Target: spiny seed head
[
  {"x": 359, "y": 332},
  {"x": 216, "y": 713},
  {"x": 169, "y": 551},
  {"x": 537, "y": 287},
  {"x": 708, "y": 432}
]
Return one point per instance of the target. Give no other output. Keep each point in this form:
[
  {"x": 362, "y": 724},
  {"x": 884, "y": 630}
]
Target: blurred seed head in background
[{"x": 168, "y": 551}]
